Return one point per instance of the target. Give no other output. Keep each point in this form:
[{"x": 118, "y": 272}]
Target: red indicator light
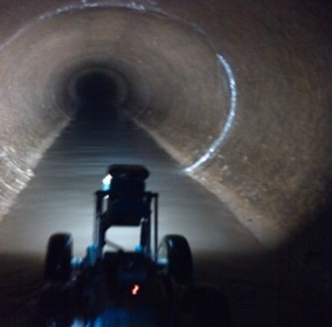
[{"x": 135, "y": 289}]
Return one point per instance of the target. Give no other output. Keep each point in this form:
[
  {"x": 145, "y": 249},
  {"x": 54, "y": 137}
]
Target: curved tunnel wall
[{"x": 243, "y": 87}]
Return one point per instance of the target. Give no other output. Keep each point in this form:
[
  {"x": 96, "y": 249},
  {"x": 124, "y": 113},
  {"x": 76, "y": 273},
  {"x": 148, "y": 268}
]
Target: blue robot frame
[{"x": 117, "y": 288}]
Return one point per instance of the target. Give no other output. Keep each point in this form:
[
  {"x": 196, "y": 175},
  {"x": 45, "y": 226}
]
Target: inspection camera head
[{"x": 128, "y": 178}]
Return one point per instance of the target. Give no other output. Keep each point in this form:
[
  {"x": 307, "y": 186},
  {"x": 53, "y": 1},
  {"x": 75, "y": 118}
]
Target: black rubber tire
[
  {"x": 58, "y": 258},
  {"x": 179, "y": 258}
]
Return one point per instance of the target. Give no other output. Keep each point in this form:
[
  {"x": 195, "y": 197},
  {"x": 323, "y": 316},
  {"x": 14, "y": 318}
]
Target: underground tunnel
[
  {"x": 97, "y": 90},
  {"x": 238, "y": 94}
]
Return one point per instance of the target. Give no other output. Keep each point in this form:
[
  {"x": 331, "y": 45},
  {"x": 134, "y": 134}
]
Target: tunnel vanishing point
[{"x": 238, "y": 92}]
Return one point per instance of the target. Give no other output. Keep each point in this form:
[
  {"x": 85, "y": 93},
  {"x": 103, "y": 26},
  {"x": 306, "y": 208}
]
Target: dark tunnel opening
[
  {"x": 98, "y": 94},
  {"x": 97, "y": 90}
]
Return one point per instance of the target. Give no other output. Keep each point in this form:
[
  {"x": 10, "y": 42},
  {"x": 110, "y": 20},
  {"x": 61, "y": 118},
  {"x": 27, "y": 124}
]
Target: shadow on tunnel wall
[{"x": 290, "y": 285}]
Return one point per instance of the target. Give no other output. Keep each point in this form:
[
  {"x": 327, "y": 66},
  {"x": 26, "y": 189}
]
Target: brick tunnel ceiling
[{"x": 239, "y": 94}]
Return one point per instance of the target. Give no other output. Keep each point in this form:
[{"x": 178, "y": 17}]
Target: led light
[
  {"x": 135, "y": 289},
  {"x": 107, "y": 182}
]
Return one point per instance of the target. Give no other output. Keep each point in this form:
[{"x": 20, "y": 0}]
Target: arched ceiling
[{"x": 238, "y": 93}]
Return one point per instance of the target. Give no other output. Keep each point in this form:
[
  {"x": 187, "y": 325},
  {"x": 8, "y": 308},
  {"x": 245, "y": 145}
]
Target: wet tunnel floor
[{"x": 60, "y": 198}]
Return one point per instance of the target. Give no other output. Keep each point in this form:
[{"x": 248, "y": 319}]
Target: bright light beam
[{"x": 217, "y": 143}]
